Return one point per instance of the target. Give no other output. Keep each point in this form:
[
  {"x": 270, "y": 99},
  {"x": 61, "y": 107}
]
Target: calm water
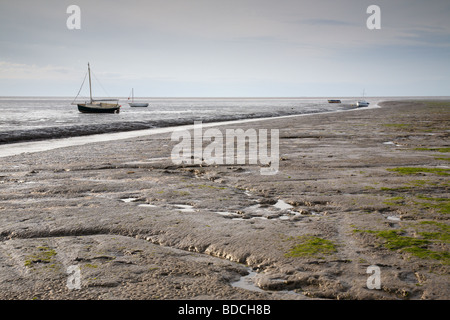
[{"x": 37, "y": 118}]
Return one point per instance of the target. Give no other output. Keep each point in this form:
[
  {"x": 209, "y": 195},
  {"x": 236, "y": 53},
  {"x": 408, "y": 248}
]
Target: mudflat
[{"x": 355, "y": 190}]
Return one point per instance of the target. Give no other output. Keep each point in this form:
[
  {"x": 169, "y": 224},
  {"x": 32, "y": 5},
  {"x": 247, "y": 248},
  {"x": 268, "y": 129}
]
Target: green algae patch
[
  {"x": 440, "y": 205},
  {"x": 394, "y": 201},
  {"x": 434, "y": 231},
  {"x": 395, "y": 241},
  {"x": 414, "y": 184},
  {"x": 422, "y": 183},
  {"x": 395, "y": 189},
  {"x": 397, "y": 125},
  {"x": 417, "y": 170},
  {"x": 44, "y": 255},
  {"x": 311, "y": 246},
  {"x": 443, "y": 150},
  {"x": 419, "y": 247}
]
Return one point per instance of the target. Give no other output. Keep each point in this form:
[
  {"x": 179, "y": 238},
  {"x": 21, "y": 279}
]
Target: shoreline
[
  {"x": 15, "y": 148},
  {"x": 354, "y": 190}
]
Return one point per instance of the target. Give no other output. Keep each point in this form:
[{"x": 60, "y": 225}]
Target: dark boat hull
[{"x": 85, "y": 109}]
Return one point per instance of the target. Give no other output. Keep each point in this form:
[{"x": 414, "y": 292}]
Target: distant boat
[
  {"x": 362, "y": 103},
  {"x": 334, "y": 101},
  {"x": 136, "y": 104},
  {"x": 99, "y": 105}
]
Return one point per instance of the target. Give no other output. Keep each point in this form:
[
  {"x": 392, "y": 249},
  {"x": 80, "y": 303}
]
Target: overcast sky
[{"x": 226, "y": 48}]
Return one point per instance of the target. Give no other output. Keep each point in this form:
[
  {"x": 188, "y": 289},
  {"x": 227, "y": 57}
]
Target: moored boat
[
  {"x": 334, "y": 101},
  {"x": 362, "y": 103},
  {"x": 99, "y": 105},
  {"x": 136, "y": 104}
]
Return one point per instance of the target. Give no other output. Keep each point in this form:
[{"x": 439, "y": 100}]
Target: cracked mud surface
[{"x": 140, "y": 227}]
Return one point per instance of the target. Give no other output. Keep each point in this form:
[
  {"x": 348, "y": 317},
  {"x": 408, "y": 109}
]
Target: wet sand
[{"x": 140, "y": 227}]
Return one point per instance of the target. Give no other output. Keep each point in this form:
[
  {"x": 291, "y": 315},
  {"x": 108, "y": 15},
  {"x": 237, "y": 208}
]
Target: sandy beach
[{"x": 354, "y": 189}]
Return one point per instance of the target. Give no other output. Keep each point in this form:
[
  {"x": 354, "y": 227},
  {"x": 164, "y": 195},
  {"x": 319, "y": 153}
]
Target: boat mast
[
  {"x": 132, "y": 94},
  {"x": 90, "y": 88}
]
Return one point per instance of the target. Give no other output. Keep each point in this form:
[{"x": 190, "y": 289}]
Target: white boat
[
  {"x": 362, "y": 103},
  {"x": 136, "y": 104}
]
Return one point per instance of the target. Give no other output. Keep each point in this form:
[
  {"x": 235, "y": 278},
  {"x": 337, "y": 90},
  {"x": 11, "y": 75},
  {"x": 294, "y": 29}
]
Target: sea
[
  {"x": 27, "y": 119},
  {"x": 40, "y": 118}
]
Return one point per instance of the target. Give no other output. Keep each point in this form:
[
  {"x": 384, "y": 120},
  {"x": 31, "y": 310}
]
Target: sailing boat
[
  {"x": 99, "y": 105},
  {"x": 362, "y": 103},
  {"x": 136, "y": 104}
]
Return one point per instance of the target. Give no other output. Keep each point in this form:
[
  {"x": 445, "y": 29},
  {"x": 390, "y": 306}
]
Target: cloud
[
  {"x": 10, "y": 70},
  {"x": 329, "y": 22},
  {"x": 428, "y": 37}
]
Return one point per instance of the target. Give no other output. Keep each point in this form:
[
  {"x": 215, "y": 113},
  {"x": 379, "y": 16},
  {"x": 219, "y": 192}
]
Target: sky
[{"x": 226, "y": 48}]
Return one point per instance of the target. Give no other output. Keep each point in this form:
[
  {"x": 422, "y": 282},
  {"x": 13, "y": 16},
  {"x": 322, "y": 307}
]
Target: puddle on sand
[
  {"x": 282, "y": 205},
  {"x": 180, "y": 207},
  {"x": 148, "y": 161},
  {"x": 184, "y": 207},
  {"x": 147, "y": 205},
  {"x": 247, "y": 282},
  {"x": 265, "y": 213},
  {"x": 226, "y": 213},
  {"x": 128, "y": 199},
  {"x": 392, "y": 143}
]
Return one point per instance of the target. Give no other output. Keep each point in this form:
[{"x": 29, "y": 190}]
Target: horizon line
[{"x": 240, "y": 97}]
